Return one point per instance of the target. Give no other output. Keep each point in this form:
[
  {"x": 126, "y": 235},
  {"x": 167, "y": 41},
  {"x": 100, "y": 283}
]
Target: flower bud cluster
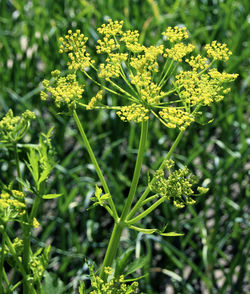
[
  {"x": 111, "y": 29},
  {"x": 151, "y": 93},
  {"x": 133, "y": 112},
  {"x": 197, "y": 62},
  {"x": 113, "y": 285},
  {"x": 176, "y": 118},
  {"x": 218, "y": 51},
  {"x": 12, "y": 205},
  {"x": 147, "y": 62},
  {"x": 111, "y": 69},
  {"x": 175, "y": 34},
  {"x": 63, "y": 90},
  {"x": 94, "y": 100},
  {"x": 131, "y": 40},
  {"x": 17, "y": 245},
  {"x": 109, "y": 44},
  {"x": 203, "y": 89},
  {"x": 177, "y": 186},
  {"x": 178, "y": 51},
  {"x": 74, "y": 45},
  {"x": 13, "y": 128},
  {"x": 35, "y": 223}
]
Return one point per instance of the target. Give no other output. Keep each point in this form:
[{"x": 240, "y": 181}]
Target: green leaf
[
  {"x": 135, "y": 265},
  {"x": 122, "y": 262},
  {"x": 44, "y": 175},
  {"x": 142, "y": 230},
  {"x": 171, "y": 234},
  {"x": 98, "y": 192},
  {"x": 52, "y": 284},
  {"x": 24, "y": 183},
  {"x": 33, "y": 164},
  {"x": 51, "y": 196},
  {"x": 81, "y": 288}
]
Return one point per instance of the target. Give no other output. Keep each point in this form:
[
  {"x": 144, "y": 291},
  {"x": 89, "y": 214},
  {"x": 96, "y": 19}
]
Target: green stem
[
  {"x": 37, "y": 201},
  {"x": 2, "y": 264},
  {"x": 112, "y": 248},
  {"x": 7, "y": 283},
  {"x": 25, "y": 229},
  {"x": 18, "y": 166},
  {"x": 117, "y": 231},
  {"x": 143, "y": 139},
  {"x": 146, "y": 192},
  {"x": 106, "y": 88},
  {"x": 95, "y": 163},
  {"x": 166, "y": 73},
  {"x": 146, "y": 212}
]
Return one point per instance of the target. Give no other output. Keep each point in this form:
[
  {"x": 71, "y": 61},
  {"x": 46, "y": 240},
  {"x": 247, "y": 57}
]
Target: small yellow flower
[
  {"x": 134, "y": 112},
  {"x": 13, "y": 128},
  {"x": 218, "y": 51},
  {"x": 112, "y": 28},
  {"x": 179, "y": 51},
  {"x": 74, "y": 45},
  {"x": 35, "y": 223},
  {"x": 131, "y": 39},
  {"x": 198, "y": 62},
  {"x": 108, "y": 270},
  {"x": 175, "y": 34},
  {"x": 64, "y": 90},
  {"x": 175, "y": 117},
  {"x": 12, "y": 206},
  {"x": 111, "y": 69},
  {"x": 94, "y": 100}
]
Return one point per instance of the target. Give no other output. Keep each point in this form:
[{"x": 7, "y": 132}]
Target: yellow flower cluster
[
  {"x": 37, "y": 266},
  {"x": 139, "y": 80},
  {"x": 131, "y": 40},
  {"x": 223, "y": 77},
  {"x": 176, "y": 118},
  {"x": 13, "y": 128},
  {"x": 94, "y": 100},
  {"x": 148, "y": 60},
  {"x": 175, "y": 34},
  {"x": 113, "y": 286},
  {"x": 197, "y": 89},
  {"x": 178, "y": 51},
  {"x": 9, "y": 122},
  {"x": 112, "y": 66},
  {"x": 17, "y": 245},
  {"x": 74, "y": 45},
  {"x": 134, "y": 112},
  {"x": 35, "y": 223},
  {"x": 198, "y": 62},
  {"x": 12, "y": 205},
  {"x": 111, "y": 29},
  {"x": 218, "y": 51},
  {"x": 151, "y": 93},
  {"x": 177, "y": 186},
  {"x": 64, "y": 90},
  {"x": 109, "y": 43}
]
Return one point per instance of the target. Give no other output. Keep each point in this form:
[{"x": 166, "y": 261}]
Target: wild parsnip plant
[
  {"x": 171, "y": 82},
  {"x": 14, "y": 206}
]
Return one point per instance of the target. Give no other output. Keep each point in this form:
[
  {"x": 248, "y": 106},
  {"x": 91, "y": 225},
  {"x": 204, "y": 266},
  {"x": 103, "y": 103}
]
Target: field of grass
[{"x": 212, "y": 256}]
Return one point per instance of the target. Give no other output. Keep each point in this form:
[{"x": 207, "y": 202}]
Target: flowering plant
[{"x": 169, "y": 81}]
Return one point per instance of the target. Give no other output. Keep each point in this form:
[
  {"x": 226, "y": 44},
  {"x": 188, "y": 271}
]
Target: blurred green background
[{"x": 212, "y": 255}]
